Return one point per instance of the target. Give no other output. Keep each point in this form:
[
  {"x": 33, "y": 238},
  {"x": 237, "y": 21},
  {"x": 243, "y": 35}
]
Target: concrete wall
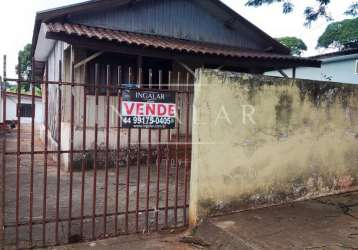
[
  {"x": 11, "y": 104},
  {"x": 263, "y": 140},
  {"x": 336, "y": 71}
]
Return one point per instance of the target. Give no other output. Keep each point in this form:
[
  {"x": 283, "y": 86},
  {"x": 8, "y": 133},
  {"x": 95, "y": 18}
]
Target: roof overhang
[
  {"x": 341, "y": 55},
  {"x": 232, "y": 18},
  {"x": 340, "y": 58},
  {"x": 44, "y": 45},
  {"x": 167, "y": 47},
  {"x": 58, "y": 13}
]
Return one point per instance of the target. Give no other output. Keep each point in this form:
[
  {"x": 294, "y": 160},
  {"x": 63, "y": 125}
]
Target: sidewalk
[{"x": 325, "y": 223}]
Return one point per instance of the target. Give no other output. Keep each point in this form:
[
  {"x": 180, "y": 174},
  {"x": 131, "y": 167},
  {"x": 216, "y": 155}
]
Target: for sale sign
[{"x": 148, "y": 109}]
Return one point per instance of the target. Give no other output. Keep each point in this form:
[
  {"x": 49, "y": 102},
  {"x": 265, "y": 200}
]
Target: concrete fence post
[{"x": 194, "y": 176}]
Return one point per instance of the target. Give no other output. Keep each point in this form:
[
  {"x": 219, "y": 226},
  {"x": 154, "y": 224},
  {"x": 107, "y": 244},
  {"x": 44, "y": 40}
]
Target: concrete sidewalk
[{"x": 325, "y": 223}]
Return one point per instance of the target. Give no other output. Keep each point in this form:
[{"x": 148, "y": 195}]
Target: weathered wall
[{"x": 302, "y": 142}]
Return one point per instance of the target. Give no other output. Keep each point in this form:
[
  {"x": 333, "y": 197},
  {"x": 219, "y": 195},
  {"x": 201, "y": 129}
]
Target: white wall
[
  {"x": 336, "y": 71},
  {"x": 11, "y": 101}
]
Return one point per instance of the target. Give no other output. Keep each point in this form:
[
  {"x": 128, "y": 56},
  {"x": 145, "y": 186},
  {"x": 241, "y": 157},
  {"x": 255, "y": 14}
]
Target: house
[
  {"x": 11, "y": 107},
  {"x": 341, "y": 66},
  {"x": 142, "y": 43}
]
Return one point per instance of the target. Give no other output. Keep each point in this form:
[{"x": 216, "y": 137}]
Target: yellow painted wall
[{"x": 302, "y": 141}]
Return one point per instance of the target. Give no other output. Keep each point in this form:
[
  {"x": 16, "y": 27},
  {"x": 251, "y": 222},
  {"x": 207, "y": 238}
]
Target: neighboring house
[
  {"x": 168, "y": 35},
  {"x": 11, "y": 107},
  {"x": 341, "y": 66}
]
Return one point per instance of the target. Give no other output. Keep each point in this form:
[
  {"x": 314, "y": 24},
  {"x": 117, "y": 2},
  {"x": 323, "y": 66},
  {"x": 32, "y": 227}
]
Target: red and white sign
[{"x": 148, "y": 109}]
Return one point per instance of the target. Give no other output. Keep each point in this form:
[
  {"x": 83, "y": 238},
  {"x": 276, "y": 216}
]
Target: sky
[{"x": 18, "y": 16}]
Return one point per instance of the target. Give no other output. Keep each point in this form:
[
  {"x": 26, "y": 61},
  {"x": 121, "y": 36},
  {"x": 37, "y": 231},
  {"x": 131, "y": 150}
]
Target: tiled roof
[
  {"x": 344, "y": 52},
  {"x": 167, "y": 43}
]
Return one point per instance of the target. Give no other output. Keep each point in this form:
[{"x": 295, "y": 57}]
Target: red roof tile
[{"x": 161, "y": 42}]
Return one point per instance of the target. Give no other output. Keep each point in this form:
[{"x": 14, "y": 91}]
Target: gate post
[
  {"x": 2, "y": 160},
  {"x": 194, "y": 213},
  {"x": 2, "y": 191}
]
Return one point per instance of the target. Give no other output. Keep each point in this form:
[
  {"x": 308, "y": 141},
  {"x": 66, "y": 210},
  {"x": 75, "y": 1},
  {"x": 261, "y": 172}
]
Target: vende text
[{"x": 148, "y": 109}]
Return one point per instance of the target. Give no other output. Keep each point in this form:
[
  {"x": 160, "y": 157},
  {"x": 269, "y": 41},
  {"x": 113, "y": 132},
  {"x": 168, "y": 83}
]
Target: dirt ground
[
  {"x": 324, "y": 223},
  {"x": 328, "y": 223},
  {"x": 154, "y": 241},
  {"x": 24, "y": 201}
]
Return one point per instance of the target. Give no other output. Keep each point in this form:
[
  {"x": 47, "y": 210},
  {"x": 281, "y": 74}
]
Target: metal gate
[{"x": 80, "y": 175}]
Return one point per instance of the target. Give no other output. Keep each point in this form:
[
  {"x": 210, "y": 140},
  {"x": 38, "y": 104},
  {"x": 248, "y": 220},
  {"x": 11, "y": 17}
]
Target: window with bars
[
  {"x": 126, "y": 74},
  {"x": 25, "y": 110}
]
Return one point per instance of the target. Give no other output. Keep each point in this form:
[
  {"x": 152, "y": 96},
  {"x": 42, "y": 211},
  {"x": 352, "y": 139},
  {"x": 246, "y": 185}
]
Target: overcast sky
[{"x": 17, "y": 21}]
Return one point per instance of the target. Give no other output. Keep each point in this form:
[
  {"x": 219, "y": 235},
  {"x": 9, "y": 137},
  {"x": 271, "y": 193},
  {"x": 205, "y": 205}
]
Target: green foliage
[
  {"x": 38, "y": 91},
  {"x": 13, "y": 89},
  {"x": 311, "y": 13},
  {"x": 25, "y": 61},
  {"x": 25, "y": 71},
  {"x": 338, "y": 34},
  {"x": 295, "y": 44}
]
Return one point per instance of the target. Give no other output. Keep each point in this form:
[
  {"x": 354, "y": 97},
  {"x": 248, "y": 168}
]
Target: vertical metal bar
[
  {"x": 177, "y": 156},
  {"x": 5, "y": 87},
  {"x": 31, "y": 195},
  {"x": 160, "y": 79},
  {"x": 119, "y": 81},
  {"x": 84, "y": 156},
  {"x": 138, "y": 162},
  {"x": 44, "y": 205},
  {"x": 3, "y": 238},
  {"x": 167, "y": 166},
  {"x": 128, "y": 168},
  {"x": 128, "y": 165},
  {"x": 150, "y": 78},
  {"x": 72, "y": 120},
  {"x": 186, "y": 153},
  {"x": 159, "y": 158},
  {"x": 108, "y": 80},
  {"x": 127, "y": 182},
  {"x": 149, "y": 154},
  {"x": 58, "y": 151},
  {"x": 95, "y": 154},
  {"x": 18, "y": 159},
  {"x": 187, "y": 81},
  {"x": 130, "y": 74},
  {"x": 3, "y": 133}
]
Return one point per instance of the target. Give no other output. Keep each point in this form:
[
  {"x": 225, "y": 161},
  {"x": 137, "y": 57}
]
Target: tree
[
  {"x": 296, "y": 45},
  {"x": 25, "y": 71},
  {"x": 339, "y": 34},
  {"x": 311, "y": 13},
  {"x": 25, "y": 61}
]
